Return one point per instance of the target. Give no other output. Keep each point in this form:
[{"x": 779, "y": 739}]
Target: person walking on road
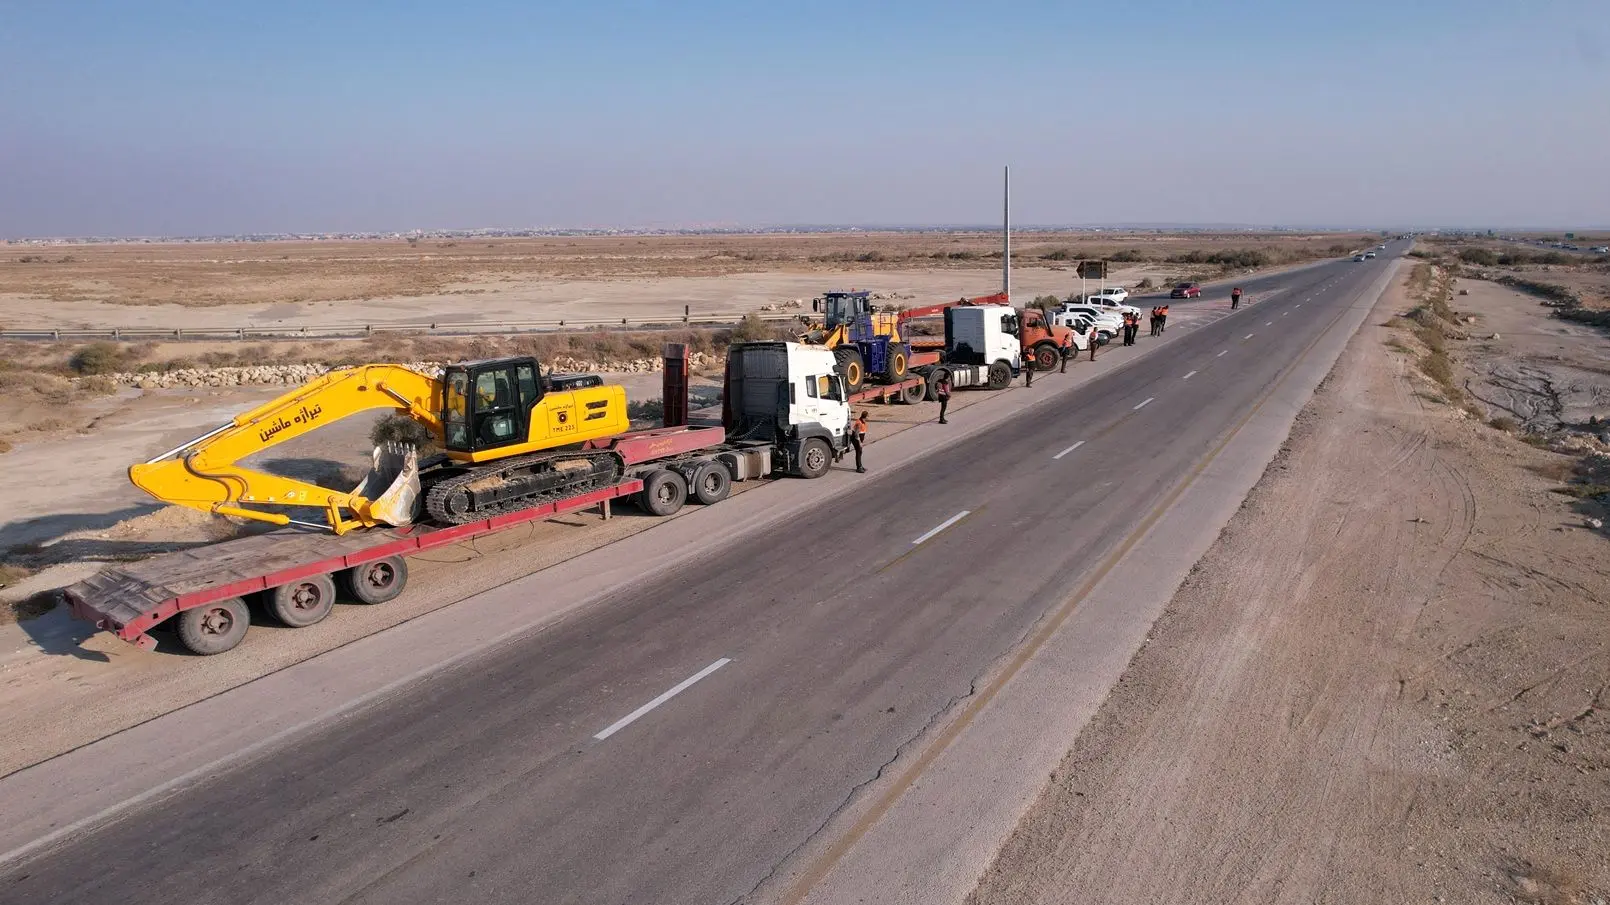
[
  {"x": 858, "y": 439},
  {"x": 942, "y": 393},
  {"x": 1235, "y": 298},
  {"x": 1028, "y": 371},
  {"x": 1162, "y": 320}
]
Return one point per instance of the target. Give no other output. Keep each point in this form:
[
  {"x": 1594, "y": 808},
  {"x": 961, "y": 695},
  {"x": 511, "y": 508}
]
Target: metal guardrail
[{"x": 348, "y": 331}]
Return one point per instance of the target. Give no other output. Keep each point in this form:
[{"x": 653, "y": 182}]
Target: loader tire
[
  {"x": 897, "y": 366},
  {"x": 852, "y": 366},
  {"x": 376, "y": 582},
  {"x": 214, "y": 627},
  {"x": 303, "y": 602}
]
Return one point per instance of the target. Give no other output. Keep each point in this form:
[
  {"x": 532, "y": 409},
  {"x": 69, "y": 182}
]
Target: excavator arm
[{"x": 206, "y": 473}]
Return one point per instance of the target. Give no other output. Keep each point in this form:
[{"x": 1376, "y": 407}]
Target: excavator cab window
[{"x": 487, "y": 406}]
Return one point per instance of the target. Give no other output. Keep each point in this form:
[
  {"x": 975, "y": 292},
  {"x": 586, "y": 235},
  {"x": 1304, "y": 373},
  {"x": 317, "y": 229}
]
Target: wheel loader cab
[{"x": 497, "y": 407}]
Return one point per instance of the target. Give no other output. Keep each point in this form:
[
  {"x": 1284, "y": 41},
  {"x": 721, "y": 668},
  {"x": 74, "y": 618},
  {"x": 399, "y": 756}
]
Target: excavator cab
[{"x": 487, "y": 404}]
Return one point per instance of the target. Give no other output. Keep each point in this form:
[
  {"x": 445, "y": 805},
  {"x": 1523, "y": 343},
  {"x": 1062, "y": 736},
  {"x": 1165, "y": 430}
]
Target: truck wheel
[
  {"x": 664, "y": 491},
  {"x": 214, "y": 627},
  {"x": 303, "y": 602},
  {"x": 898, "y": 362},
  {"x": 1000, "y": 375},
  {"x": 851, "y": 366},
  {"x": 711, "y": 483},
  {"x": 1046, "y": 357},
  {"x": 376, "y": 582},
  {"x": 815, "y": 457},
  {"x": 914, "y": 393}
]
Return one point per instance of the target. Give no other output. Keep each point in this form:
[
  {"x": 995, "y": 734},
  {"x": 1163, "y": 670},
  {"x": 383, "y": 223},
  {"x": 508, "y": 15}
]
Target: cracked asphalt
[{"x": 610, "y": 758}]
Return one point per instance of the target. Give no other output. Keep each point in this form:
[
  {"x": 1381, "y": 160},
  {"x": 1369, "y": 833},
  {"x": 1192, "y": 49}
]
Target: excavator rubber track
[{"x": 509, "y": 485}]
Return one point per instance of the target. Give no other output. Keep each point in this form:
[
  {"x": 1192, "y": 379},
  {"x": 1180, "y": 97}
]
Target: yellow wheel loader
[{"x": 504, "y": 430}]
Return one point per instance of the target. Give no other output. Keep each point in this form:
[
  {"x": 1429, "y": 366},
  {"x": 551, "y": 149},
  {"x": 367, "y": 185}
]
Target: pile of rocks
[{"x": 297, "y": 374}]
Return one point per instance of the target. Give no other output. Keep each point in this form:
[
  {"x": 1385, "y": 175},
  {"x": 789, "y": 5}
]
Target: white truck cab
[{"x": 790, "y": 397}]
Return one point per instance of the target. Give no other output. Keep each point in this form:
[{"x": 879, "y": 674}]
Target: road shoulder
[{"x": 1385, "y": 682}]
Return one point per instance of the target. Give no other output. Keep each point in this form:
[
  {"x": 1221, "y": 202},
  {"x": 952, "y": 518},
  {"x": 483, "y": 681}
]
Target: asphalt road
[{"x": 819, "y": 649}]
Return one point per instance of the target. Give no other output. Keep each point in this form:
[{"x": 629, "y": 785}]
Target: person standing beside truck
[
  {"x": 1067, "y": 350},
  {"x": 858, "y": 439},
  {"x": 942, "y": 393}
]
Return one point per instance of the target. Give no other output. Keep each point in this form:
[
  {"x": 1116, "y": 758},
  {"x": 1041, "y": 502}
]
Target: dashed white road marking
[
  {"x": 1189, "y": 376},
  {"x": 1269, "y": 324},
  {"x": 1284, "y": 313},
  {"x": 670, "y": 693},
  {"x": 1249, "y": 336},
  {"x": 942, "y": 526},
  {"x": 1222, "y": 354},
  {"x": 1069, "y": 450},
  {"x": 1147, "y": 401}
]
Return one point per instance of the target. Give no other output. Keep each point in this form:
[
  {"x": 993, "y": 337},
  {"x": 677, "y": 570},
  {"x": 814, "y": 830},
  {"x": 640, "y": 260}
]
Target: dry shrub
[
  {"x": 52, "y": 423},
  {"x": 31, "y": 608},
  {"x": 5, "y": 445}
]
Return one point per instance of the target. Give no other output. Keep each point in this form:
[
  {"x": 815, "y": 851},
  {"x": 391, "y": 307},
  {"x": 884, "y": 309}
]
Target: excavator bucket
[{"x": 392, "y": 485}]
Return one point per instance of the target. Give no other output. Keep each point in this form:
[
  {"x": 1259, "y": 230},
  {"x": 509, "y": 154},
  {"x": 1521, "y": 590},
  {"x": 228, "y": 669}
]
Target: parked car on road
[
  {"x": 1113, "y": 305},
  {"x": 1117, "y": 293},
  {"x": 1107, "y": 323},
  {"x": 1186, "y": 291},
  {"x": 1358, "y": 258}
]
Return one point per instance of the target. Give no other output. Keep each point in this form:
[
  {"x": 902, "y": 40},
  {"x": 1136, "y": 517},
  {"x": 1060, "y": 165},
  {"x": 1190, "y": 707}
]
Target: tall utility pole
[{"x": 1006, "y": 237}]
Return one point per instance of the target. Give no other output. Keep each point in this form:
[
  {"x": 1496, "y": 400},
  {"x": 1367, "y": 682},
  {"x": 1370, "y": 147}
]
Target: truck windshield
[{"x": 455, "y": 410}]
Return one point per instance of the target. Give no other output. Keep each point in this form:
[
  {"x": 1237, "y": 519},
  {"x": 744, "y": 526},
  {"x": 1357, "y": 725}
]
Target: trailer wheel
[
  {"x": 1000, "y": 375},
  {"x": 914, "y": 393},
  {"x": 215, "y": 627},
  {"x": 711, "y": 483},
  {"x": 1046, "y": 357},
  {"x": 304, "y": 602},
  {"x": 814, "y": 458},
  {"x": 376, "y": 582},
  {"x": 664, "y": 491},
  {"x": 851, "y": 366}
]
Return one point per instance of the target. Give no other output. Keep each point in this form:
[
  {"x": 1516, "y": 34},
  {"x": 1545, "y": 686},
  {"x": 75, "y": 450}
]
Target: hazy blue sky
[{"x": 125, "y": 118}]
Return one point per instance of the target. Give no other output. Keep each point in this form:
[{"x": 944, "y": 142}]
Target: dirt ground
[{"x": 1387, "y": 680}]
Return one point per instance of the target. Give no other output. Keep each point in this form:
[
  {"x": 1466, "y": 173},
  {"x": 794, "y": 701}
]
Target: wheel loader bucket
[{"x": 392, "y": 485}]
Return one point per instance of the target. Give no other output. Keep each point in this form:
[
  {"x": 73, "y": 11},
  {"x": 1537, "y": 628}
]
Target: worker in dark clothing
[
  {"x": 1067, "y": 352},
  {"x": 1162, "y": 320},
  {"x": 1155, "y": 317},
  {"x": 1235, "y": 298},
  {"x": 1028, "y": 371},
  {"x": 1095, "y": 340},
  {"x": 1131, "y": 327},
  {"x": 942, "y": 393},
  {"x": 858, "y": 439}
]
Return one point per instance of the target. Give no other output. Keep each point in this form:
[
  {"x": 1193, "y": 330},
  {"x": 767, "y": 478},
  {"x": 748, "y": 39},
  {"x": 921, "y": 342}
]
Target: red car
[{"x": 1186, "y": 291}]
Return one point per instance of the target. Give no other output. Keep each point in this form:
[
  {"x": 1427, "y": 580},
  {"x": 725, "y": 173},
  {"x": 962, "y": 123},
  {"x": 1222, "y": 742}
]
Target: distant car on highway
[
  {"x": 1369, "y": 254},
  {"x": 1186, "y": 291},
  {"x": 1358, "y": 258},
  {"x": 1602, "y": 250}
]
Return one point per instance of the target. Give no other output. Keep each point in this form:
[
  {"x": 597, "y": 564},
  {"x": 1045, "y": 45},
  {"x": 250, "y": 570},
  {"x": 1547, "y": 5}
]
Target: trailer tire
[
  {"x": 1000, "y": 375},
  {"x": 914, "y": 393},
  {"x": 303, "y": 602},
  {"x": 664, "y": 491},
  {"x": 711, "y": 483},
  {"x": 1046, "y": 357},
  {"x": 214, "y": 627},
  {"x": 852, "y": 366},
  {"x": 815, "y": 458},
  {"x": 377, "y": 581}
]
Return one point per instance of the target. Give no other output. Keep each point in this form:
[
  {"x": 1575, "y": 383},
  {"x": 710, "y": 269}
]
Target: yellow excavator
[{"x": 502, "y": 426}]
